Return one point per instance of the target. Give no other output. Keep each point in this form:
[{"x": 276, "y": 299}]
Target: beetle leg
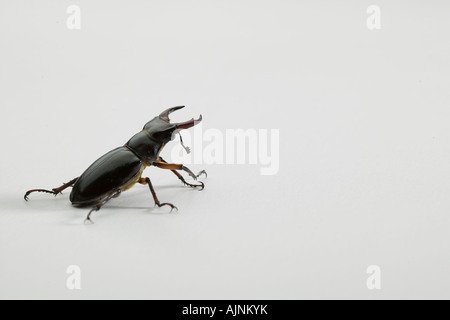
[
  {"x": 160, "y": 163},
  {"x": 202, "y": 172},
  {"x": 54, "y": 191},
  {"x": 99, "y": 205},
  {"x": 155, "y": 198},
  {"x": 201, "y": 185}
]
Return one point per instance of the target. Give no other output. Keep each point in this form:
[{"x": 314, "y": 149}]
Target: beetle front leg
[
  {"x": 54, "y": 191},
  {"x": 201, "y": 185},
  {"x": 155, "y": 198}
]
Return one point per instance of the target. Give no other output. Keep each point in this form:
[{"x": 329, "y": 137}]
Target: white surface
[{"x": 364, "y": 148}]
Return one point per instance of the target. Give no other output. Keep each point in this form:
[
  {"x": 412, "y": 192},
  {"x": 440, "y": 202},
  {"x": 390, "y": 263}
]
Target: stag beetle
[{"x": 121, "y": 168}]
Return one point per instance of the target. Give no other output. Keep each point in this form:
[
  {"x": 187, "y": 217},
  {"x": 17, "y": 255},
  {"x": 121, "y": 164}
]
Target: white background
[{"x": 364, "y": 175}]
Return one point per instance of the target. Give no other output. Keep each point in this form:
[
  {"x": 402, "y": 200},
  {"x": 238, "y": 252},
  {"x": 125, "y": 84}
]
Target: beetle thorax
[{"x": 148, "y": 143}]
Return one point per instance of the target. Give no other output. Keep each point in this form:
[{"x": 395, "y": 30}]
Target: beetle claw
[
  {"x": 166, "y": 204},
  {"x": 189, "y": 172},
  {"x": 202, "y": 172},
  {"x": 201, "y": 185},
  {"x": 88, "y": 221}
]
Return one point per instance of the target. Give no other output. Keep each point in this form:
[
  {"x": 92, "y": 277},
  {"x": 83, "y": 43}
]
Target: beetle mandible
[{"x": 121, "y": 168}]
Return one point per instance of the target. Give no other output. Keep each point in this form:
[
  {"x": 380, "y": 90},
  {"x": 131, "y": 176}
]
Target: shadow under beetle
[{"x": 121, "y": 168}]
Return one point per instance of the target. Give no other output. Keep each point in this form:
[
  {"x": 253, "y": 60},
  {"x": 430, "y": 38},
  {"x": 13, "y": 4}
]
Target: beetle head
[{"x": 162, "y": 130}]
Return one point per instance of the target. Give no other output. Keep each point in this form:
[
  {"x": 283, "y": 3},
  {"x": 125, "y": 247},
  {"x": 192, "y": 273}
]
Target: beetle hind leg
[
  {"x": 54, "y": 191},
  {"x": 99, "y": 205}
]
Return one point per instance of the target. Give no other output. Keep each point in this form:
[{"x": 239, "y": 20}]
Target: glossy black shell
[
  {"x": 121, "y": 167},
  {"x": 106, "y": 175}
]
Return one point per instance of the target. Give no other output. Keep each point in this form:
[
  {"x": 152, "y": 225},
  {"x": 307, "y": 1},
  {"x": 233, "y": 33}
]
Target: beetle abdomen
[{"x": 116, "y": 169}]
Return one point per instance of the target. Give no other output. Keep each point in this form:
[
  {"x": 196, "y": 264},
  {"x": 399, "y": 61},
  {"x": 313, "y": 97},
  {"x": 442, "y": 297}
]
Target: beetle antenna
[{"x": 188, "y": 150}]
